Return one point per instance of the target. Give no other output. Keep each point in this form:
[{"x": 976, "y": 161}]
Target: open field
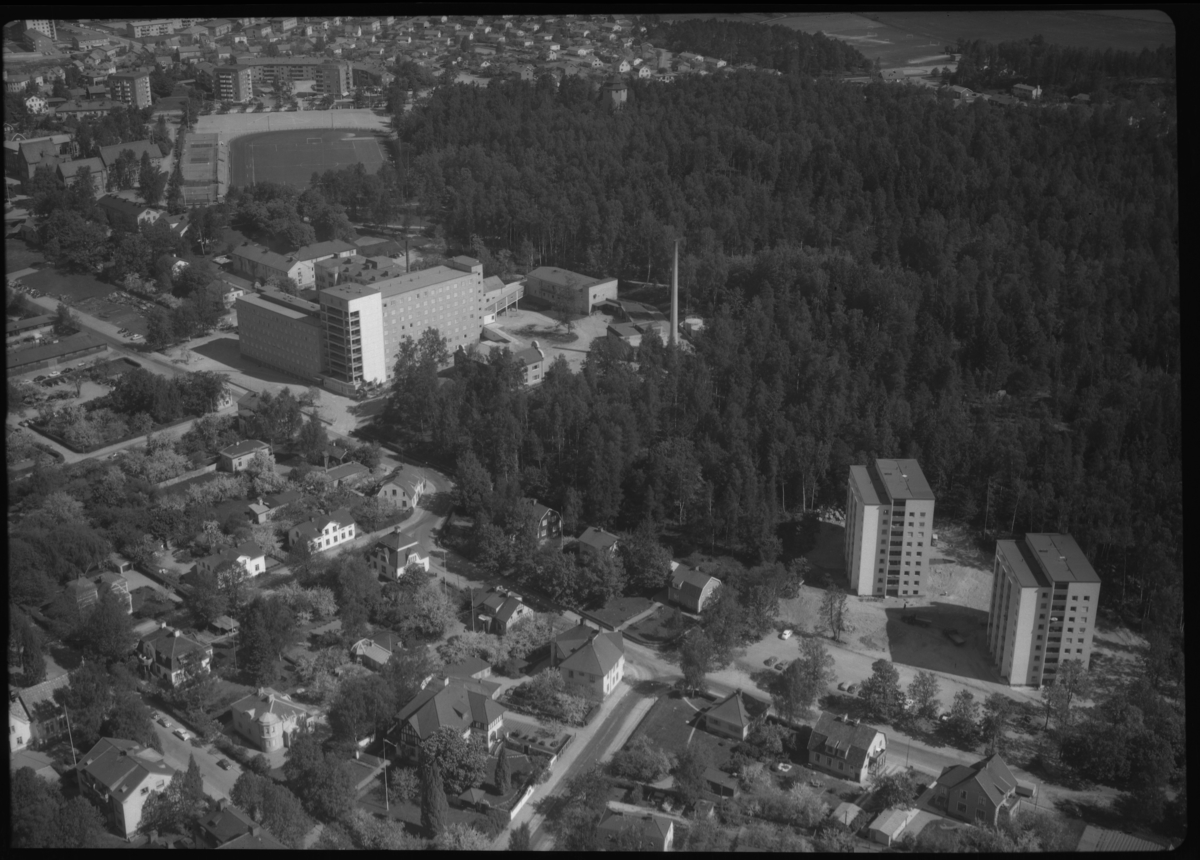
[
  {"x": 18, "y": 256},
  {"x": 291, "y": 157},
  {"x": 78, "y": 286}
]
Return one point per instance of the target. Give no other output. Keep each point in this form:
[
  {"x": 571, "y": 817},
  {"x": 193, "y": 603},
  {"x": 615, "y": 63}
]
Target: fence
[
  {"x": 194, "y": 473},
  {"x": 528, "y": 793}
]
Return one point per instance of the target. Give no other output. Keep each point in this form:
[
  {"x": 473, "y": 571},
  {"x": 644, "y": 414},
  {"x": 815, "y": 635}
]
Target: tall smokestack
[{"x": 675, "y": 297}]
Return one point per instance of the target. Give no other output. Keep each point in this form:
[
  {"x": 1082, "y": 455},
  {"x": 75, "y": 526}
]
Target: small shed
[
  {"x": 845, "y": 813},
  {"x": 886, "y": 829}
]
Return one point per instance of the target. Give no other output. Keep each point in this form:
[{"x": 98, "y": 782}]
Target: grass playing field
[{"x": 291, "y": 157}]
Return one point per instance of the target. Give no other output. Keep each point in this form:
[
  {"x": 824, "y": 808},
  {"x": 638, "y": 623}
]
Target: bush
[{"x": 260, "y": 765}]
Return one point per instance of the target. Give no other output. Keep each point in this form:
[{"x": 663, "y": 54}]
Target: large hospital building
[{"x": 365, "y": 307}]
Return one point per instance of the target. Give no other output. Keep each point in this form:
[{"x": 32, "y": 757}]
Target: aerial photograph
[{"x": 693, "y": 431}]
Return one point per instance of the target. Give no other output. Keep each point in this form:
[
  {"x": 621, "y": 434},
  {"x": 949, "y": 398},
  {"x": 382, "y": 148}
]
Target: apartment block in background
[
  {"x": 889, "y": 529},
  {"x": 132, "y": 88},
  {"x": 233, "y": 83},
  {"x": 1043, "y": 608}
]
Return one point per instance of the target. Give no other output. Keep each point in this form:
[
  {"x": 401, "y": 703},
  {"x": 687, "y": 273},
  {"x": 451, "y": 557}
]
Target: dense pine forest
[
  {"x": 782, "y": 49},
  {"x": 993, "y": 291}
]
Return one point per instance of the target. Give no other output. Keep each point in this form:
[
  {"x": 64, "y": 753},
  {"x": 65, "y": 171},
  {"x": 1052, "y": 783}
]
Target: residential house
[
  {"x": 118, "y": 586},
  {"x": 119, "y": 775},
  {"x": 347, "y": 474},
  {"x": 690, "y": 588},
  {"x": 237, "y": 457},
  {"x": 20, "y": 724},
  {"x": 324, "y": 532},
  {"x": 404, "y": 488},
  {"x": 981, "y": 793},
  {"x": 376, "y": 650},
  {"x": 395, "y": 552},
  {"x": 735, "y": 716},
  {"x": 651, "y": 832},
  {"x": 591, "y": 663},
  {"x": 532, "y": 360},
  {"x": 549, "y": 521},
  {"x": 1027, "y": 92},
  {"x": 41, "y": 765},
  {"x": 22, "y": 158},
  {"x": 127, "y": 214},
  {"x": 68, "y": 173},
  {"x": 458, "y": 705},
  {"x": 470, "y": 669},
  {"x": 35, "y": 105},
  {"x": 267, "y": 506},
  {"x": 888, "y": 826},
  {"x": 256, "y": 262},
  {"x": 174, "y": 658},
  {"x": 844, "y": 748},
  {"x": 247, "y": 555},
  {"x": 224, "y": 824},
  {"x": 48, "y": 721},
  {"x": 270, "y": 720},
  {"x": 110, "y": 154},
  {"x": 82, "y": 594},
  {"x": 499, "y": 610},
  {"x": 597, "y": 542}
]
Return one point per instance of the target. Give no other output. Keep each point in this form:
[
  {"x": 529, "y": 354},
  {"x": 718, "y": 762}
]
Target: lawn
[
  {"x": 620, "y": 609},
  {"x": 18, "y": 256},
  {"x": 291, "y": 157}
]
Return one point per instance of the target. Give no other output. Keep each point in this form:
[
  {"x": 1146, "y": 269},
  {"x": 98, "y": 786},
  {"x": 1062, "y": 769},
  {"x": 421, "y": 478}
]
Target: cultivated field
[{"x": 291, "y": 157}]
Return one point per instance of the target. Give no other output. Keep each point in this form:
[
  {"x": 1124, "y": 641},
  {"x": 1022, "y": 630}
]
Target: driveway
[{"x": 218, "y": 783}]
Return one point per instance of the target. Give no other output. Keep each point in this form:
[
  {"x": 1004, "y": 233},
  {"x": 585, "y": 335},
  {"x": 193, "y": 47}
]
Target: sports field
[{"x": 291, "y": 157}]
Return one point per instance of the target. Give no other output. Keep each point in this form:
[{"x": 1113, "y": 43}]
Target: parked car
[
  {"x": 181, "y": 734},
  {"x": 224, "y": 764},
  {"x": 164, "y": 722},
  {"x": 770, "y": 661},
  {"x": 842, "y": 686},
  {"x": 852, "y": 689},
  {"x": 54, "y": 373},
  {"x": 786, "y": 634},
  {"x": 41, "y": 378},
  {"x": 943, "y": 717}
]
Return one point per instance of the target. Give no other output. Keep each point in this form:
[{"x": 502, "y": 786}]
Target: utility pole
[{"x": 70, "y": 738}]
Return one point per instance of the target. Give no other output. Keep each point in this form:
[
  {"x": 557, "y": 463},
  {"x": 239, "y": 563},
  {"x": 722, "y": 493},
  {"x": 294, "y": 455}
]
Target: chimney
[{"x": 675, "y": 298}]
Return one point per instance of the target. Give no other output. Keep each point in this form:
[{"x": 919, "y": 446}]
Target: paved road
[{"x": 218, "y": 783}]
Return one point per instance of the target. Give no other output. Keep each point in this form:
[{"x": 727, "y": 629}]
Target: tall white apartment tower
[
  {"x": 889, "y": 529},
  {"x": 1043, "y": 608}
]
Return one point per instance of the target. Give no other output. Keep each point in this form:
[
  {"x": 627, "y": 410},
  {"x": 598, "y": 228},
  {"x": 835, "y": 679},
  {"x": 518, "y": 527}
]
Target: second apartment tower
[{"x": 889, "y": 529}]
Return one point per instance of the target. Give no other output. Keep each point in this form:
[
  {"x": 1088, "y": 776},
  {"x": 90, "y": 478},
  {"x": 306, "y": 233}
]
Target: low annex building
[
  {"x": 597, "y": 542},
  {"x": 569, "y": 291},
  {"x": 499, "y": 610}
]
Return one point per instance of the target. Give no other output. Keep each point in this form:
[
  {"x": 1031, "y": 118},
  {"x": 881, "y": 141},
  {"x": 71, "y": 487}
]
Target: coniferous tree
[
  {"x": 434, "y": 808},
  {"x": 503, "y": 777}
]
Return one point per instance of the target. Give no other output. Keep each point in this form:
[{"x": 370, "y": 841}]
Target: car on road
[
  {"x": 164, "y": 722},
  {"x": 786, "y": 634},
  {"x": 54, "y": 373},
  {"x": 181, "y": 734},
  {"x": 781, "y": 767},
  {"x": 842, "y": 686},
  {"x": 770, "y": 661},
  {"x": 224, "y": 764}
]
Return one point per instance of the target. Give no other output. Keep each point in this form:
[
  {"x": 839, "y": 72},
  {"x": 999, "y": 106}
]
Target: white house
[
  {"x": 120, "y": 775},
  {"x": 324, "y": 532}
]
